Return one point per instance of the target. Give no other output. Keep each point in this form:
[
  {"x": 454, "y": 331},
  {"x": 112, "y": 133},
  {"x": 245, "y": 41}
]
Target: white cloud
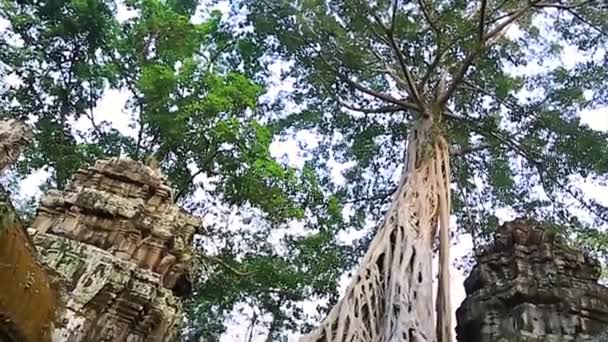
[
  {"x": 596, "y": 118},
  {"x": 112, "y": 108}
]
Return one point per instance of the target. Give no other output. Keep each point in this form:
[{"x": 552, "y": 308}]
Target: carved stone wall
[
  {"x": 28, "y": 294},
  {"x": 122, "y": 247},
  {"x": 530, "y": 286}
]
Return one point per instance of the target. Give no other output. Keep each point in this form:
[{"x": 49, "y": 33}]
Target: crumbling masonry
[
  {"x": 28, "y": 295},
  {"x": 113, "y": 261},
  {"x": 530, "y": 286},
  {"x": 123, "y": 249}
]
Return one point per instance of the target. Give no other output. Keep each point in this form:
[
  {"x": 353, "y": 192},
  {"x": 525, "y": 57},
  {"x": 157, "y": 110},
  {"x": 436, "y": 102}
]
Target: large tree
[
  {"x": 192, "y": 80},
  {"x": 434, "y": 88}
]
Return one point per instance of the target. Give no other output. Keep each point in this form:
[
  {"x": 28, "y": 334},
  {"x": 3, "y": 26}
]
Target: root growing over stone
[{"x": 390, "y": 297}]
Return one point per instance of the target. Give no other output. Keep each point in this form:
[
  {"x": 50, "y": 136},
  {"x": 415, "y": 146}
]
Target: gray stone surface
[
  {"x": 122, "y": 248},
  {"x": 530, "y": 286},
  {"x": 14, "y": 136}
]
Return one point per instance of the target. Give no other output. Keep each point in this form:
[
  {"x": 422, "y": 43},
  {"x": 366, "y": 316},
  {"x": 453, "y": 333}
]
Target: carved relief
[{"x": 122, "y": 245}]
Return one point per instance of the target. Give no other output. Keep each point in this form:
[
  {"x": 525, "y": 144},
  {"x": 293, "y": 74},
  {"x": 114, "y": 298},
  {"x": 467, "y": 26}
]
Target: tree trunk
[{"x": 391, "y": 295}]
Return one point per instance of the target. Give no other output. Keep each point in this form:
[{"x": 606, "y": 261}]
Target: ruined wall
[
  {"x": 28, "y": 300},
  {"x": 28, "y": 295},
  {"x": 122, "y": 247},
  {"x": 530, "y": 286},
  {"x": 14, "y": 136}
]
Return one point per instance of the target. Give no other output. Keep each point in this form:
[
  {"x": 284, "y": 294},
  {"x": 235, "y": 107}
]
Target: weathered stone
[
  {"x": 28, "y": 296},
  {"x": 122, "y": 247},
  {"x": 14, "y": 136},
  {"x": 28, "y": 293},
  {"x": 530, "y": 286}
]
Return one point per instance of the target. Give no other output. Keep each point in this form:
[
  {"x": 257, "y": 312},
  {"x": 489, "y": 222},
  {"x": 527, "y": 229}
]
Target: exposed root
[
  {"x": 391, "y": 295},
  {"x": 444, "y": 301}
]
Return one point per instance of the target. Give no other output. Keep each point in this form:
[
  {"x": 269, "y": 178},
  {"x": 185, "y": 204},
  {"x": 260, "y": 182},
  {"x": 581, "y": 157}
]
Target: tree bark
[{"x": 390, "y": 297}]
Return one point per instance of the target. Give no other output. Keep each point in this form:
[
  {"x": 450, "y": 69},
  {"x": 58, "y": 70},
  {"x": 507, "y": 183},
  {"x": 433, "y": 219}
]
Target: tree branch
[
  {"x": 471, "y": 149},
  {"x": 409, "y": 78},
  {"x": 131, "y": 85},
  {"x": 497, "y": 8},
  {"x": 376, "y": 94},
  {"x": 203, "y": 168},
  {"x": 394, "y": 16},
  {"x": 228, "y": 267},
  {"x": 378, "y": 110},
  {"x": 570, "y": 9},
  {"x": 503, "y": 102},
  {"x": 561, "y": 6},
  {"x": 427, "y": 17},
  {"x": 254, "y": 320},
  {"x": 344, "y": 78},
  {"x": 513, "y": 144},
  {"x": 386, "y": 68},
  {"x": 468, "y": 61},
  {"x": 373, "y": 197},
  {"x": 482, "y": 19},
  {"x": 90, "y": 114},
  {"x": 438, "y": 52},
  {"x": 212, "y": 58}
]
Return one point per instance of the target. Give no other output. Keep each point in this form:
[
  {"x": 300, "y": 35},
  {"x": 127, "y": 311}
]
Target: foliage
[
  {"x": 193, "y": 83},
  {"x": 489, "y": 73},
  {"x": 516, "y": 137},
  {"x": 508, "y": 106}
]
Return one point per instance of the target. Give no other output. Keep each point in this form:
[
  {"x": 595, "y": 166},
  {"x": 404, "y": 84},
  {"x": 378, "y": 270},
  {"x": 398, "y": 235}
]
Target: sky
[{"x": 112, "y": 108}]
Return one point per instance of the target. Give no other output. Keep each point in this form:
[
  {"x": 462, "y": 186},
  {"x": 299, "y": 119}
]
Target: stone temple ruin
[
  {"x": 28, "y": 290},
  {"x": 108, "y": 259},
  {"x": 122, "y": 247},
  {"x": 531, "y": 286}
]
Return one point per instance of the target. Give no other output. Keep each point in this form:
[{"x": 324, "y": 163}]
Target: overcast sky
[{"x": 112, "y": 109}]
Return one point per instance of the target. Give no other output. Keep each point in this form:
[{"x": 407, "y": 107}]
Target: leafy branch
[
  {"x": 513, "y": 144},
  {"x": 222, "y": 263},
  {"x": 412, "y": 89},
  {"x": 343, "y": 77},
  {"x": 479, "y": 48}
]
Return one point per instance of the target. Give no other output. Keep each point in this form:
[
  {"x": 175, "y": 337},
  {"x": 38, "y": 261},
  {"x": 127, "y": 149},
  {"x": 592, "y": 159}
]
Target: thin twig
[{"x": 378, "y": 110}]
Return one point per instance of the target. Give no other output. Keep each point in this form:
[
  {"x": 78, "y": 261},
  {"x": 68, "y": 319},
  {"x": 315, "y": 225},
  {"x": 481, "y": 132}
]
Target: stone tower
[
  {"x": 530, "y": 286},
  {"x": 122, "y": 248}
]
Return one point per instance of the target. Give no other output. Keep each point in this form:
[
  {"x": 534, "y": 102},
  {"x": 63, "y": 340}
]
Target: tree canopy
[
  {"x": 495, "y": 68},
  {"x": 492, "y": 76},
  {"x": 193, "y": 83},
  {"x": 360, "y": 71}
]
